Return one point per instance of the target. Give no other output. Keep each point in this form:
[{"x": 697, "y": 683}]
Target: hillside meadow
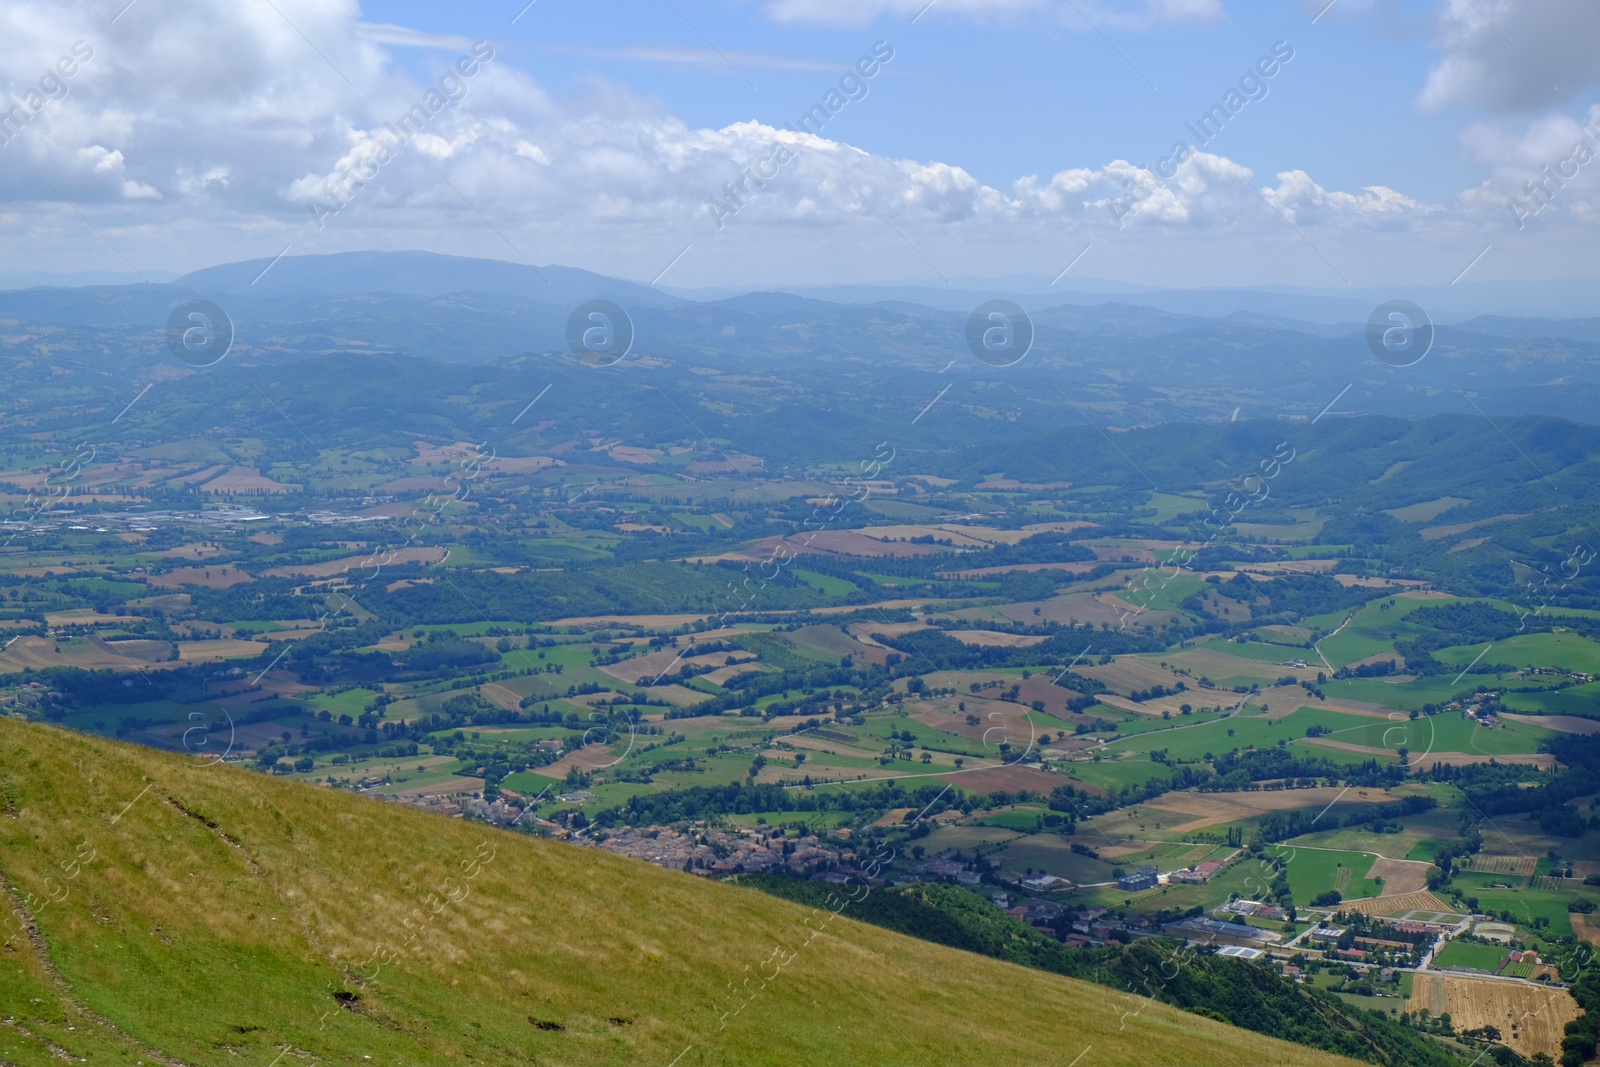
[{"x": 169, "y": 911}]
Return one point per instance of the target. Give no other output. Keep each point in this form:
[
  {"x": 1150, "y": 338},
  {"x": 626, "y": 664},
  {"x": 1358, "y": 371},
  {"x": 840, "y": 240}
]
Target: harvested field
[
  {"x": 998, "y": 721},
  {"x": 1400, "y": 877},
  {"x": 212, "y": 651},
  {"x": 961, "y": 536},
  {"x": 1587, "y": 927},
  {"x": 893, "y": 817},
  {"x": 335, "y": 567},
  {"x": 247, "y": 480},
  {"x": 1078, "y": 608},
  {"x": 1567, "y": 724},
  {"x": 668, "y": 660},
  {"x": 1152, "y": 708},
  {"x": 81, "y": 617},
  {"x": 827, "y": 639},
  {"x": 1209, "y": 809},
  {"x": 40, "y": 652},
  {"x": 1040, "y": 687},
  {"x": 1009, "y": 779},
  {"x": 1531, "y": 1018},
  {"x": 723, "y": 675},
  {"x": 679, "y": 694},
  {"x": 586, "y": 759},
  {"x": 863, "y": 631},
  {"x": 1121, "y": 553},
  {"x": 1216, "y": 663},
  {"x": 1126, "y": 674},
  {"x": 1421, "y": 901},
  {"x": 994, "y": 639},
  {"x": 981, "y": 572},
  {"x": 204, "y": 577},
  {"x": 500, "y": 696}
]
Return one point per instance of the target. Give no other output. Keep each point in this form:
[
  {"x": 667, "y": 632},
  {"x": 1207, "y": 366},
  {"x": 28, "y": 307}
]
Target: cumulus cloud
[
  {"x": 1514, "y": 55},
  {"x": 289, "y": 133},
  {"x": 1550, "y": 167}
]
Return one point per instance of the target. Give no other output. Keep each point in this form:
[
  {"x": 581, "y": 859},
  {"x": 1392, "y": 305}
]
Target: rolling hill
[{"x": 161, "y": 910}]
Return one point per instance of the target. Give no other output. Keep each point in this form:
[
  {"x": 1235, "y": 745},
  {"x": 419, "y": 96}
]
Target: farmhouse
[{"x": 1196, "y": 875}]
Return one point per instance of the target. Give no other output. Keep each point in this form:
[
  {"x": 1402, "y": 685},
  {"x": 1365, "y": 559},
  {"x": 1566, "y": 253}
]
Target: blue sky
[
  {"x": 1003, "y": 137},
  {"x": 1023, "y": 95}
]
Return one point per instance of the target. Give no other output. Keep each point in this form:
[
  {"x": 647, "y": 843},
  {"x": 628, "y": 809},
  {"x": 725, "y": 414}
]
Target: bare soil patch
[
  {"x": 1006, "y": 779},
  {"x": 1400, "y": 876}
]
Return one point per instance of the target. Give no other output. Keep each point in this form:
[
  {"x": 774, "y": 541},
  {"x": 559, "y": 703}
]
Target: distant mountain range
[
  {"x": 1136, "y": 357},
  {"x": 430, "y": 274}
]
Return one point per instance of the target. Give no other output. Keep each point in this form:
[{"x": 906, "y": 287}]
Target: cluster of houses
[
  {"x": 715, "y": 852},
  {"x": 1196, "y": 875}
]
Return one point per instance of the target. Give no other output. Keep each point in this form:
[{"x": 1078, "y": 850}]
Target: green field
[
  {"x": 1461, "y": 954},
  {"x": 1579, "y": 700},
  {"x": 1376, "y": 626},
  {"x": 1568, "y": 651},
  {"x": 1314, "y": 871},
  {"x": 824, "y": 583},
  {"x": 1245, "y": 730}
]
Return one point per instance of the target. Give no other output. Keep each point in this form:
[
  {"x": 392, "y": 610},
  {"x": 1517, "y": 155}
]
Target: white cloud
[
  {"x": 1553, "y": 162},
  {"x": 404, "y": 36},
  {"x": 178, "y": 149},
  {"x": 1514, "y": 55}
]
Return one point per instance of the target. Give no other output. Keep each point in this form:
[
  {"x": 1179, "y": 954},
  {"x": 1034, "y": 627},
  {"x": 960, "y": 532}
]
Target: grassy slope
[{"x": 221, "y": 913}]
